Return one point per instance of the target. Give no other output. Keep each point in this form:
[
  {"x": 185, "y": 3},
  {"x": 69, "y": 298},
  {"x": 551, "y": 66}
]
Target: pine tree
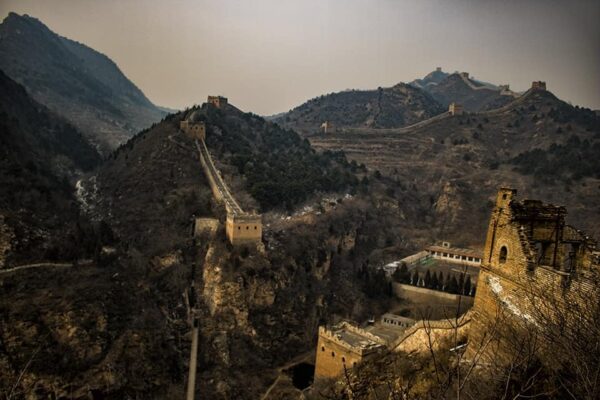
[
  {"x": 443, "y": 282},
  {"x": 467, "y": 290},
  {"x": 404, "y": 274},
  {"x": 434, "y": 281},
  {"x": 427, "y": 280},
  {"x": 452, "y": 285},
  {"x": 414, "y": 280},
  {"x": 440, "y": 281}
]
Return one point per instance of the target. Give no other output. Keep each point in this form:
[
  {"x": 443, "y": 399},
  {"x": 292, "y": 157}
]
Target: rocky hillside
[
  {"x": 74, "y": 81},
  {"x": 260, "y": 308},
  {"x": 392, "y": 107},
  {"x": 42, "y": 154},
  {"x": 538, "y": 144}
]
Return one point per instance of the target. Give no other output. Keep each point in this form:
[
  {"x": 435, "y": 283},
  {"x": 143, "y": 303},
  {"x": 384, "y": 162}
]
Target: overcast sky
[{"x": 269, "y": 56}]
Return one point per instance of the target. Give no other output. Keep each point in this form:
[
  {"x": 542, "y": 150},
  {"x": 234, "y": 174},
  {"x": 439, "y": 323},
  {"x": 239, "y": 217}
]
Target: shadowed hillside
[
  {"x": 75, "y": 81},
  {"x": 392, "y": 107},
  {"x": 41, "y": 155}
]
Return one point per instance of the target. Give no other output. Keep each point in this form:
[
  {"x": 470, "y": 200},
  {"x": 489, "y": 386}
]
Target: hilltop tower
[
  {"x": 217, "y": 101},
  {"x": 538, "y": 85}
]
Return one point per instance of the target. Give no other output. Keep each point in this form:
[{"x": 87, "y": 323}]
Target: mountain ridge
[
  {"x": 395, "y": 106},
  {"x": 75, "y": 81}
]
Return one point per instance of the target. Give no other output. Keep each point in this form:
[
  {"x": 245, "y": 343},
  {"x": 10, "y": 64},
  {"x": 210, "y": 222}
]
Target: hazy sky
[{"x": 269, "y": 56}]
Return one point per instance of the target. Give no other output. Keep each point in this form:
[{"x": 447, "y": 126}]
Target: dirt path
[{"x": 43, "y": 265}]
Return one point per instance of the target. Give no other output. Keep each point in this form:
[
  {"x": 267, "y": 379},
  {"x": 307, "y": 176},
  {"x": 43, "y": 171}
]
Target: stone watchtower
[
  {"x": 455, "y": 109},
  {"x": 217, "y": 101},
  {"x": 530, "y": 251},
  {"x": 538, "y": 85},
  {"x": 195, "y": 130}
]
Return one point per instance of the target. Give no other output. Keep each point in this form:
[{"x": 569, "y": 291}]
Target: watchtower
[
  {"x": 217, "y": 101},
  {"x": 195, "y": 130},
  {"x": 455, "y": 109},
  {"x": 327, "y": 127},
  {"x": 243, "y": 228},
  {"x": 530, "y": 252},
  {"x": 538, "y": 85}
]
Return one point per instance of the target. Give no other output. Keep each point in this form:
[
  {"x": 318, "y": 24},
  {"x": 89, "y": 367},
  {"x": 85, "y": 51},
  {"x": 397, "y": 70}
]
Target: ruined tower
[
  {"x": 538, "y": 85},
  {"x": 217, "y": 101},
  {"x": 530, "y": 252},
  {"x": 195, "y": 130}
]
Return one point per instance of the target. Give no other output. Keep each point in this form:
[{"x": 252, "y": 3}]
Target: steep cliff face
[
  {"x": 40, "y": 155},
  {"x": 263, "y": 308}
]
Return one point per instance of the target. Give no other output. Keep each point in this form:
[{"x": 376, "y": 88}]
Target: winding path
[{"x": 43, "y": 265}]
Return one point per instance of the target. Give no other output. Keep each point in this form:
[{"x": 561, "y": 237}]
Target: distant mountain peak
[{"x": 75, "y": 81}]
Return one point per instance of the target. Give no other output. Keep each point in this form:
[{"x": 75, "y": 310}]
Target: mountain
[
  {"x": 537, "y": 143},
  {"x": 473, "y": 95},
  {"x": 131, "y": 316},
  {"x": 41, "y": 154},
  {"x": 392, "y": 107},
  {"x": 74, "y": 81},
  {"x": 268, "y": 167}
]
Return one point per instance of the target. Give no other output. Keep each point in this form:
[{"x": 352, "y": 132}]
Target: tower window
[
  {"x": 322, "y": 348},
  {"x": 503, "y": 255},
  {"x": 332, "y": 354}
]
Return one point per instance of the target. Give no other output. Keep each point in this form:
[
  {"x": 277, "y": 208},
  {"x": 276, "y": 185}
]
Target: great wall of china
[{"x": 241, "y": 227}]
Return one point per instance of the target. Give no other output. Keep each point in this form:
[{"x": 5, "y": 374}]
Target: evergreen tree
[
  {"x": 467, "y": 290},
  {"x": 402, "y": 274},
  {"x": 452, "y": 286},
  {"x": 427, "y": 280},
  {"x": 440, "y": 280},
  {"x": 434, "y": 281},
  {"x": 461, "y": 283},
  {"x": 414, "y": 280},
  {"x": 443, "y": 282}
]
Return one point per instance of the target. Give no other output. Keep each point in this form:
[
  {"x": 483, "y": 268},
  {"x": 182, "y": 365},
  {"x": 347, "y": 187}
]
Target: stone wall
[
  {"x": 420, "y": 294},
  {"x": 417, "y": 338}
]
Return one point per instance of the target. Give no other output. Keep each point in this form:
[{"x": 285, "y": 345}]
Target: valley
[{"x": 209, "y": 252}]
